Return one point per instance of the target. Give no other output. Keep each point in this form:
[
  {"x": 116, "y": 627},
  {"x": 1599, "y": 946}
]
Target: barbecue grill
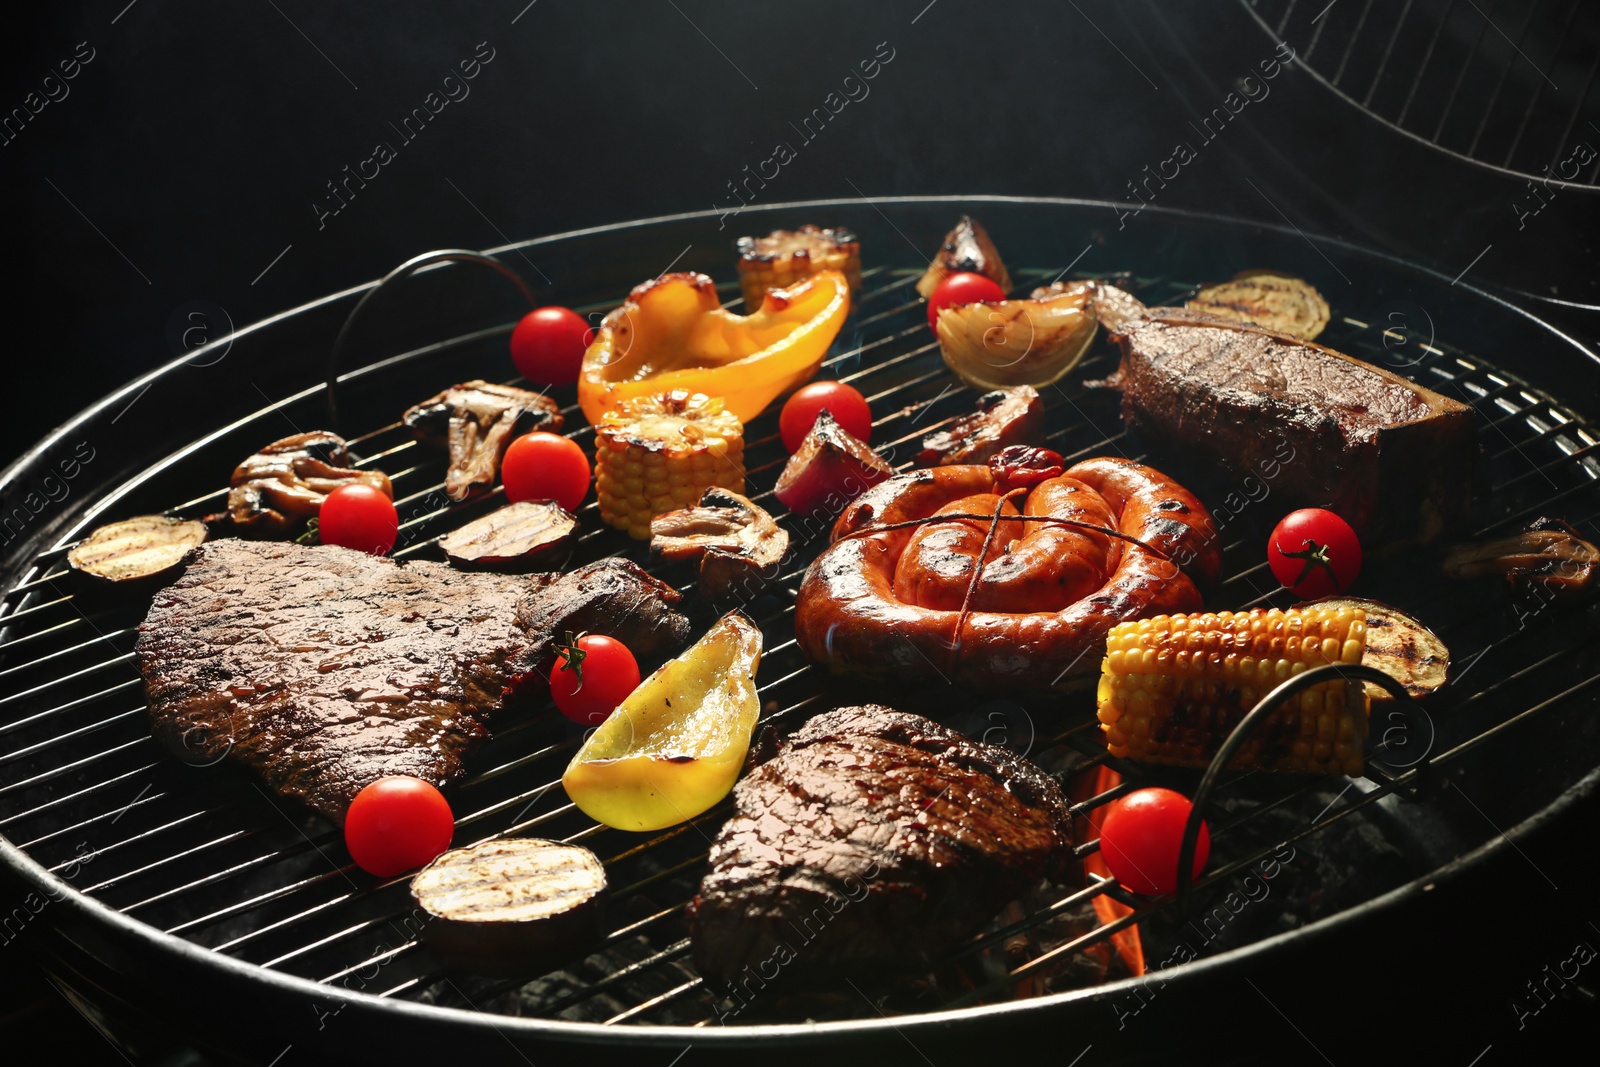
[{"x": 168, "y": 891}]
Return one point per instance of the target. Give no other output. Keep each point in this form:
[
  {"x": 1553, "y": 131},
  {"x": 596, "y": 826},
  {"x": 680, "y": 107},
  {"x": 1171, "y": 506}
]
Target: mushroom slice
[
  {"x": 966, "y": 249},
  {"x": 149, "y": 546},
  {"x": 1547, "y": 561},
  {"x": 476, "y": 421},
  {"x": 517, "y": 536},
  {"x": 1013, "y": 416},
  {"x": 738, "y": 544},
  {"x": 280, "y": 487}
]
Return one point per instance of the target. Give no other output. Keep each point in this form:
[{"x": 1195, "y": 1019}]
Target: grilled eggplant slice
[
  {"x": 280, "y": 487},
  {"x": 476, "y": 421},
  {"x": 520, "y": 536},
  {"x": 1004, "y": 417},
  {"x": 1019, "y": 342},
  {"x": 512, "y": 907},
  {"x": 1267, "y": 299},
  {"x": 738, "y": 544},
  {"x": 1398, "y": 645},
  {"x": 149, "y": 547},
  {"x": 966, "y": 248}
]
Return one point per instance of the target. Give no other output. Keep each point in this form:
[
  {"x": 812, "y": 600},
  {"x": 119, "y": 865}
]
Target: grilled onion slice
[
  {"x": 1268, "y": 299},
  {"x": 149, "y": 546},
  {"x": 1019, "y": 342},
  {"x": 511, "y": 907},
  {"x": 967, "y": 248}
]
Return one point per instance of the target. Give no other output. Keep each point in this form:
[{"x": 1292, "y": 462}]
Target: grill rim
[{"x": 174, "y": 949}]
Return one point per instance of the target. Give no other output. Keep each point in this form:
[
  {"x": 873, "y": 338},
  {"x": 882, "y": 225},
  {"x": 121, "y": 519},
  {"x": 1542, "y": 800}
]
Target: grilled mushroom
[
  {"x": 516, "y": 537},
  {"x": 1004, "y": 417},
  {"x": 276, "y": 490},
  {"x": 1548, "y": 561},
  {"x": 738, "y": 544},
  {"x": 130, "y": 551},
  {"x": 511, "y": 907},
  {"x": 477, "y": 421},
  {"x": 966, "y": 248}
]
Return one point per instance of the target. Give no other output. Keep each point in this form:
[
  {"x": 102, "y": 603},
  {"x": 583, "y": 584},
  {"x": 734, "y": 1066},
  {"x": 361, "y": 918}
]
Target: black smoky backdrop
[{"x": 175, "y": 169}]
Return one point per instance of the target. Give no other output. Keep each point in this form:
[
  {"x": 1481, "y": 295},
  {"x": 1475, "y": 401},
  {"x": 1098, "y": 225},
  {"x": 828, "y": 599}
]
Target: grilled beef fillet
[
  {"x": 477, "y": 421},
  {"x": 872, "y": 843},
  {"x": 1323, "y": 429},
  {"x": 323, "y": 669}
]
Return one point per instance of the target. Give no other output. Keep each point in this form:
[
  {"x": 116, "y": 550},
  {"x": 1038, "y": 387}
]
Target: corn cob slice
[
  {"x": 785, "y": 257},
  {"x": 655, "y": 454},
  {"x": 1173, "y": 687}
]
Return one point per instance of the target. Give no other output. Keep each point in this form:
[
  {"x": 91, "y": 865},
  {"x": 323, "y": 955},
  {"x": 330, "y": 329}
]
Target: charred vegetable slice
[
  {"x": 1113, "y": 307},
  {"x": 134, "y": 549},
  {"x": 785, "y": 257},
  {"x": 518, "y": 535},
  {"x": 830, "y": 469},
  {"x": 1019, "y": 342},
  {"x": 511, "y": 907},
  {"x": 476, "y": 421},
  {"x": 656, "y": 453},
  {"x": 966, "y": 248},
  {"x": 1546, "y": 561},
  {"x": 1273, "y": 301},
  {"x": 276, "y": 490},
  {"x": 737, "y": 543},
  {"x": 1397, "y": 645},
  {"x": 1013, "y": 416},
  {"x": 674, "y": 748}
]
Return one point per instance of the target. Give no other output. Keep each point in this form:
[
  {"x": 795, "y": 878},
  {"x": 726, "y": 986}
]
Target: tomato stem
[
  {"x": 1315, "y": 556},
  {"x": 573, "y": 655}
]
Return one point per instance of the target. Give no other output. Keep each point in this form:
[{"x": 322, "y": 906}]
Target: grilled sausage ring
[{"x": 888, "y": 596}]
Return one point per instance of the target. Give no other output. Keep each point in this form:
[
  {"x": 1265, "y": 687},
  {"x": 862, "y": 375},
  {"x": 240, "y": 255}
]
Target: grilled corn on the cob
[
  {"x": 1173, "y": 687},
  {"x": 656, "y": 454},
  {"x": 785, "y": 257}
]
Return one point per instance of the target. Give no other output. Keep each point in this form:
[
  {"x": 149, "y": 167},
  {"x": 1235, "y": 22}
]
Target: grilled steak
[
  {"x": 323, "y": 669},
  {"x": 872, "y": 843},
  {"x": 1325, "y": 430}
]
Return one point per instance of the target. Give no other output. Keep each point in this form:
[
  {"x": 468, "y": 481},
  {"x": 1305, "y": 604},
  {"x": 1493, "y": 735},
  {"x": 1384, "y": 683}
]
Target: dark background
[{"x": 181, "y": 169}]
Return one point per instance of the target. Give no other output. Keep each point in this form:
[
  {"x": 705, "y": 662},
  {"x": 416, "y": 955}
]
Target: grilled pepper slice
[
  {"x": 673, "y": 334},
  {"x": 1174, "y": 686},
  {"x": 675, "y": 746}
]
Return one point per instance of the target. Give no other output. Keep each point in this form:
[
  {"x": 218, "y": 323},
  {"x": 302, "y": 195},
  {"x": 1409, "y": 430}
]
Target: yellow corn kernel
[
  {"x": 655, "y": 454},
  {"x": 785, "y": 257}
]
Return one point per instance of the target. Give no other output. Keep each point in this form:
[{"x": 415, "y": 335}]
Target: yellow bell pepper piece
[
  {"x": 672, "y": 333},
  {"x": 675, "y": 746}
]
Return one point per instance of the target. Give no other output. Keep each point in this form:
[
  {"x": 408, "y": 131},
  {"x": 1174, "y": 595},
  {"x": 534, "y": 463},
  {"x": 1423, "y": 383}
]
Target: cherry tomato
[
  {"x": 1141, "y": 835},
  {"x": 963, "y": 287},
  {"x": 548, "y": 344},
  {"x": 545, "y": 466},
  {"x": 360, "y": 517},
  {"x": 592, "y": 675},
  {"x": 1314, "y": 552},
  {"x": 397, "y": 824},
  {"x": 848, "y": 408}
]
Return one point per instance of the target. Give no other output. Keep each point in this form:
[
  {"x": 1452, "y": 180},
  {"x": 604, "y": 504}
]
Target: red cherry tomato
[
  {"x": 545, "y": 466},
  {"x": 962, "y": 287},
  {"x": 360, "y": 517},
  {"x": 848, "y": 407},
  {"x": 1314, "y": 553},
  {"x": 548, "y": 344},
  {"x": 1141, "y": 835},
  {"x": 397, "y": 824},
  {"x": 589, "y": 681}
]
